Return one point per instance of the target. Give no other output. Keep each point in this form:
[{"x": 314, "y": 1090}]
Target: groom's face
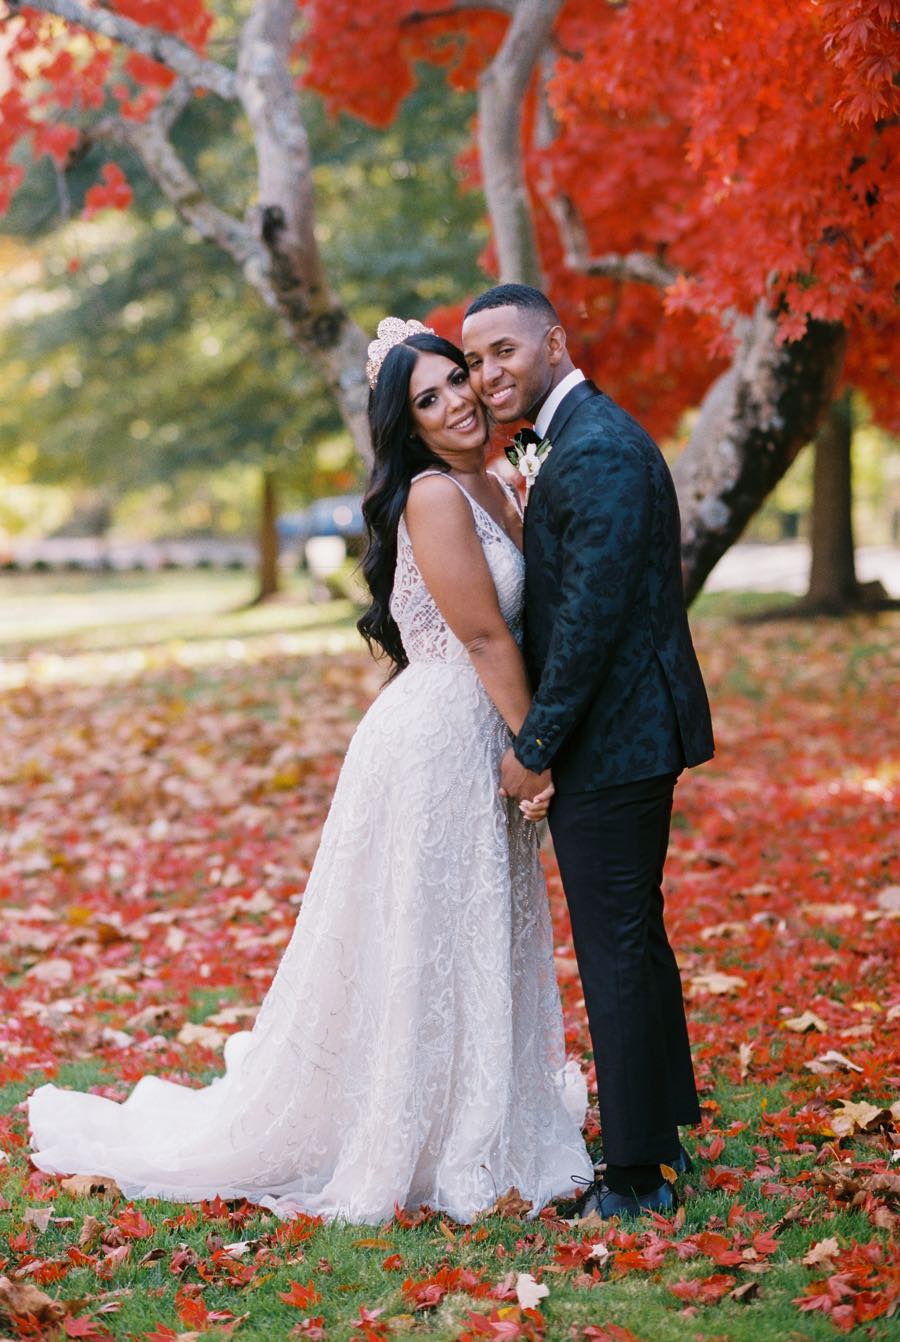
[{"x": 510, "y": 360}]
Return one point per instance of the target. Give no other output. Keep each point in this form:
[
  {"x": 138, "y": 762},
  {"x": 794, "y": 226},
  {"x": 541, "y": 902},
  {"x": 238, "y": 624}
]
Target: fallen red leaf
[{"x": 301, "y": 1297}]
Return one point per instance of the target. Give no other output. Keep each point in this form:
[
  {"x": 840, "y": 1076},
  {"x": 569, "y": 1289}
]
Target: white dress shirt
[{"x": 549, "y": 408}]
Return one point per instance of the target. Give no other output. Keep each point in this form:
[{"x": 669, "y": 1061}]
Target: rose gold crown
[{"x": 391, "y": 331}]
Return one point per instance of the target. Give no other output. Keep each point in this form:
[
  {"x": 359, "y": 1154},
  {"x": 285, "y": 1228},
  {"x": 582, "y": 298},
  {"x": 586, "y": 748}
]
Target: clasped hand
[{"x": 532, "y": 791}]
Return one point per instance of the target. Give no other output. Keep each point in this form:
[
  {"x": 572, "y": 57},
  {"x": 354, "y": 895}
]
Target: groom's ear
[{"x": 556, "y": 344}]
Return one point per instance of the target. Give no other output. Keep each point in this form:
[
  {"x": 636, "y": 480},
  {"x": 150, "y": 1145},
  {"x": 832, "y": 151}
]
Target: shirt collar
[{"x": 555, "y": 399}]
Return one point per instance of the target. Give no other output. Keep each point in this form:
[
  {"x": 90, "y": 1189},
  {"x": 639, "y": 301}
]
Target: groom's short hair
[{"x": 514, "y": 296}]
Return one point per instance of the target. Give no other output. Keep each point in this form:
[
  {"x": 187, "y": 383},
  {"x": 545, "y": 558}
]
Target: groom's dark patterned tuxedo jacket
[{"x": 618, "y": 691}]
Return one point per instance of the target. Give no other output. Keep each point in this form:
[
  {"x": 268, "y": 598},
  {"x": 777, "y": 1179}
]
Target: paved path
[
  {"x": 748, "y": 566},
  {"x": 784, "y": 567}
]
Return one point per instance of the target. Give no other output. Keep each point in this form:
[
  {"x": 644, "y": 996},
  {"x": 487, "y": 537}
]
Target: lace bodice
[{"x": 425, "y": 633}]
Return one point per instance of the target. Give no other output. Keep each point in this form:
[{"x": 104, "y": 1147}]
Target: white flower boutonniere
[{"x": 527, "y": 453}]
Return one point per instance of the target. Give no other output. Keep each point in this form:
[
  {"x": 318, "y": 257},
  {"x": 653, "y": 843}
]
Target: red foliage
[
  {"x": 705, "y": 1290},
  {"x": 87, "y": 1329},
  {"x": 428, "y": 1292},
  {"x": 115, "y": 193},
  {"x": 506, "y": 1325},
  {"x": 866, "y": 1287},
  {"x": 755, "y": 148},
  {"x": 133, "y": 1224},
  {"x": 157, "y": 837},
  {"x": 301, "y": 1297}
]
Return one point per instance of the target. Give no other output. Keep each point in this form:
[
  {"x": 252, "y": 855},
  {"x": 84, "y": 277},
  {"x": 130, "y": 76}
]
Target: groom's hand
[{"x": 518, "y": 782}]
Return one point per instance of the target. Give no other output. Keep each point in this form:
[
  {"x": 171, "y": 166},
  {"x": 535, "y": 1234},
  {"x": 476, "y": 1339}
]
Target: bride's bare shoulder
[{"x": 437, "y": 500}]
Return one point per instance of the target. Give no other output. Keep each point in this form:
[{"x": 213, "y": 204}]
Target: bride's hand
[{"x": 537, "y": 808}]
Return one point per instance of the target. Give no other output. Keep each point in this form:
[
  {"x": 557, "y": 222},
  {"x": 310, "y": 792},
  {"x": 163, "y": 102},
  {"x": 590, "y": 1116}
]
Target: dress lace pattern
[{"x": 410, "y": 1048}]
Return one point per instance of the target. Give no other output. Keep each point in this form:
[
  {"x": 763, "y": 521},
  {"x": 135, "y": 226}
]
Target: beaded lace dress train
[{"x": 410, "y": 1049}]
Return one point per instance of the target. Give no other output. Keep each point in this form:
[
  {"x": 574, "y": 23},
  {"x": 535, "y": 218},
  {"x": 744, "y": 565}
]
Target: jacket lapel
[{"x": 580, "y": 393}]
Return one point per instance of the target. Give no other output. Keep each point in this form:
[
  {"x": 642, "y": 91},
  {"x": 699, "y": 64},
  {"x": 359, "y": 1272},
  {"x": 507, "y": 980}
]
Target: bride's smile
[{"x": 448, "y": 415}]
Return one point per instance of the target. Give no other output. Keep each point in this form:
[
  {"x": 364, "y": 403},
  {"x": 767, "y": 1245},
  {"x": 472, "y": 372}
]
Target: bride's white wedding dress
[{"x": 410, "y": 1049}]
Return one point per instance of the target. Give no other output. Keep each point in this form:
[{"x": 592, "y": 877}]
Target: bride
[{"x": 410, "y": 1049}]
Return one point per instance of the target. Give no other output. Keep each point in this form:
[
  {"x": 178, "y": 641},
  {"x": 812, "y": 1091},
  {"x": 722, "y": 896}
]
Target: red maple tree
[{"x": 708, "y": 190}]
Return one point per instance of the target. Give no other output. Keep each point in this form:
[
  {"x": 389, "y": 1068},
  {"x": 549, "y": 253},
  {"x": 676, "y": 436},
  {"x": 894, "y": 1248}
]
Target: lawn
[{"x": 166, "y": 762}]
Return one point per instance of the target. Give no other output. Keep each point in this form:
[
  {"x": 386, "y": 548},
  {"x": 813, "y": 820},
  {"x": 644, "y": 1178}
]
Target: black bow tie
[{"x": 527, "y": 438}]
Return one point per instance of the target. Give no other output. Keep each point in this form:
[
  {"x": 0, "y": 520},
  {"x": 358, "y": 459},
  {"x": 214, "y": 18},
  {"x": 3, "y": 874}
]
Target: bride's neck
[{"x": 469, "y": 466}]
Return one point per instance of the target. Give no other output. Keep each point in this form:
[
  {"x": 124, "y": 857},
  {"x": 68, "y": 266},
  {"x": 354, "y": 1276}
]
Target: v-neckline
[{"x": 493, "y": 521}]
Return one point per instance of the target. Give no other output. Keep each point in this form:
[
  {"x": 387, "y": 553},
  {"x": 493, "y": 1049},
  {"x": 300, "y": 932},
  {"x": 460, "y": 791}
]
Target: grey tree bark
[
  {"x": 753, "y": 421},
  {"x": 275, "y": 247},
  {"x": 285, "y": 219},
  {"x": 501, "y": 90}
]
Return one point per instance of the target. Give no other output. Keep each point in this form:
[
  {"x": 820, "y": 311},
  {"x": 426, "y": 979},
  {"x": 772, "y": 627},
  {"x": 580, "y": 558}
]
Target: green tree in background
[{"x": 140, "y": 359}]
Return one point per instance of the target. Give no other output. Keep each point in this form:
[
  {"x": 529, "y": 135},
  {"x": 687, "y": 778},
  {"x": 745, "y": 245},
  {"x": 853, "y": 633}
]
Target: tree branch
[
  {"x": 149, "y": 141},
  {"x": 501, "y": 90},
  {"x": 170, "y": 107},
  {"x": 643, "y": 267},
  {"x": 170, "y": 51},
  {"x": 459, "y": 7},
  {"x": 318, "y": 322}
]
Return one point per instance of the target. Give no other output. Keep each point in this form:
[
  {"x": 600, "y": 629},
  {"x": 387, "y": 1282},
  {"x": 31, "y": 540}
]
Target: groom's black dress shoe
[{"x": 600, "y": 1200}]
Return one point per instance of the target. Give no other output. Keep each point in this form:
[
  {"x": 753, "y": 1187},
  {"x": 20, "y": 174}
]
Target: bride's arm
[{"x": 452, "y": 564}]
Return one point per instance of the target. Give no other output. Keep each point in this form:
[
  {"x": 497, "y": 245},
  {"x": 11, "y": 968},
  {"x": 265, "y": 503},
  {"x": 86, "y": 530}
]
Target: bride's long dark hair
[{"x": 399, "y": 455}]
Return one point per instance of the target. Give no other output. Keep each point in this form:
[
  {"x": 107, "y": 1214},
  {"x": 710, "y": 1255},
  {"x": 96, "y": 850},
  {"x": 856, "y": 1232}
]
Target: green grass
[
  {"x": 348, "y": 1272},
  {"x": 82, "y": 612},
  {"x": 735, "y": 605}
]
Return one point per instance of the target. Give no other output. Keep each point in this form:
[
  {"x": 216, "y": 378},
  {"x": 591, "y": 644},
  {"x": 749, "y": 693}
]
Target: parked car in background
[
  {"x": 326, "y": 533},
  {"x": 337, "y": 516}
]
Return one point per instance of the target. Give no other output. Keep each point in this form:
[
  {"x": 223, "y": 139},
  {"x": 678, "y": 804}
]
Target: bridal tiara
[{"x": 391, "y": 331}]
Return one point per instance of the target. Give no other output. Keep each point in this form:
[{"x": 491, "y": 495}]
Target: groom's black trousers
[{"x": 611, "y": 847}]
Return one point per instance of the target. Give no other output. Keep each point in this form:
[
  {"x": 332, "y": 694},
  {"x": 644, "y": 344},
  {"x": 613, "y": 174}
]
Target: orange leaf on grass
[
  {"x": 133, "y": 1223},
  {"x": 190, "y": 1307},
  {"x": 301, "y": 1297},
  {"x": 510, "y": 1204},
  {"x": 608, "y": 1332},
  {"x": 86, "y": 1328},
  {"x": 718, "y": 1248},
  {"x": 703, "y": 1290},
  {"x": 722, "y": 1176}
]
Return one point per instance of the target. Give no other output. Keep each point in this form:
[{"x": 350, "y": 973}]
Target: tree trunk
[
  {"x": 753, "y": 421},
  {"x": 501, "y": 91},
  {"x": 269, "y": 580},
  {"x": 833, "y": 586},
  {"x": 315, "y": 317}
]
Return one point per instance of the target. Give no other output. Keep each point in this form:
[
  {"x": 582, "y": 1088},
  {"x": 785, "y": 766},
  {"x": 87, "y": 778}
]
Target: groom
[{"x": 619, "y": 710}]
